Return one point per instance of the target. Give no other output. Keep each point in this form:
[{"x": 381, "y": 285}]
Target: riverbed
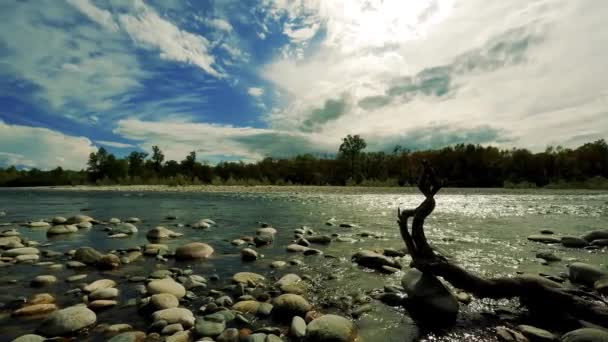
[{"x": 485, "y": 230}]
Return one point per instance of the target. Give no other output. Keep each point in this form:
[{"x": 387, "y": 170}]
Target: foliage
[{"x": 462, "y": 165}]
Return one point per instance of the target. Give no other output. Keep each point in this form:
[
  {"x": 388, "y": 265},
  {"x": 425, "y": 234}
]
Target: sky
[{"x": 242, "y": 79}]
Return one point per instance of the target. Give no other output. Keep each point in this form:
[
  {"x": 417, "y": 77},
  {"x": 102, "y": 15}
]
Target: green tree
[
  {"x": 157, "y": 158},
  {"x": 351, "y": 148},
  {"x": 136, "y": 163}
]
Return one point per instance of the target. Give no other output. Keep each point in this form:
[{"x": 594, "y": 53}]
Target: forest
[{"x": 463, "y": 165}]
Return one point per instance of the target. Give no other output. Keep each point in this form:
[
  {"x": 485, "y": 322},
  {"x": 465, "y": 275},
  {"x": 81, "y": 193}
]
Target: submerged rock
[
  {"x": 574, "y": 242},
  {"x": 124, "y": 228},
  {"x": 429, "y": 300},
  {"x": 596, "y": 235},
  {"x": 536, "y": 334},
  {"x": 585, "y": 274},
  {"x": 586, "y": 335},
  {"x": 374, "y": 260},
  {"x": 331, "y": 328},
  {"x": 160, "y": 232},
  {"x": 79, "y": 219},
  {"x": 248, "y": 278},
  {"x": 67, "y": 321},
  {"x": 62, "y": 229},
  {"x": 544, "y": 238},
  {"x": 248, "y": 254}
]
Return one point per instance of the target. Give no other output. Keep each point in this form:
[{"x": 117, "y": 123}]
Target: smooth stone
[
  {"x": 35, "y": 309},
  {"x": 88, "y": 255},
  {"x": 41, "y": 298},
  {"x": 257, "y": 337},
  {"x": 114, "y": 220},
  {"x": 374, "y": 260},
  {"x": 429, "y": 300},
  {"x": 117, "y": 328},
  {"x": 313, "y": 251},
  {"x": 160, "y": 232},
  {"x": 20, "y": 251},
  {"x": 265, "y": 309},
  {"x": 172, "y": 329},
  {"x": 43, "y": 280},
  {"x": 248, "y": 278},
  {"x": 193, "y": 250},
  {"x": 596, "y": 235},
  {"x": 101, "y": 304},
  {"x": 62, "y": 229},
  {"x": 297, "y": 329},
  {"x": 600, "y": 242},
  {"x": 247, "y": 306},
  {"x": 6, "y": 241},
  {"x": 67, "y": 321},
  {"x": 288, "y": 305},
  {"x": 99, "y": 284},
  {"x": 548, "y": 256},
  {"x": 319, "y": 239},
  {"x": 39, "y": 224},
  {"x": 263, "y": 240},
  {"x": 129, "y": 336},
  {"x": 535, "y": 334},
  {"x": 30, "y": 338},
  {"x": 586, "y": 335},
  {"x": 166, "y": 285},
  {"x": 585, "y": 274},
  {"x": 238, "y": 242},
  {"x": 75, "y": 264},
  {"x": 544, "y": 238},
  {"x": 601, "y": 286},
  {"x": 509, "y": 335},
  {"x": 278, "y": 264},
  {"x": 202, "y": 224},
  {"x": 105, "y": 293},
  {"x": 206, "y": 328},
  {"x": 175, "y": 315},
  {"x": 288, "y": 279},
  {"x": 229, "y": 335},
  {"x": 84, "y": 225},
  {"x": 124, "y": 228},
  {"x": 163, "y": 301},
  {"x": 27, "y": 258},
  {"x": 224, "y": 301},
  {"x": 133, "y": 220},
  {"x": 295, "y": 248},
  {"x": 79, "y": 219},
  {"x": 59, "y": 220},
  {"x": 574, "y": 242},
  {"x": 248, "y": 254},
  {"x": 331, "y": 328}
]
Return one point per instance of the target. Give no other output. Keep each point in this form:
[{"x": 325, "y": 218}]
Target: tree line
[{"x": 462, "y": 165}]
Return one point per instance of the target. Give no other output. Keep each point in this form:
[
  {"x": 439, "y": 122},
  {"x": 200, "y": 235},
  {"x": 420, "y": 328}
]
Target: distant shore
[{"x": 327, "y": 189}]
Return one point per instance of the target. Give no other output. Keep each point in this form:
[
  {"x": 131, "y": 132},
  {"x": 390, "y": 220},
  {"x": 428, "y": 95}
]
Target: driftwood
[{"x": 536, "y": 293}]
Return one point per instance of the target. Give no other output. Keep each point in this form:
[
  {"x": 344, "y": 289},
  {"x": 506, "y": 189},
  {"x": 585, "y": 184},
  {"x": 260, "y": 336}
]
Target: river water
[{"x": 485, "y": 230}]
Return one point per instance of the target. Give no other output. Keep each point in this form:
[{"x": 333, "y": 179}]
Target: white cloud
[
  {"x": 114, "y": 144},
  {"x": 220, "y": 24},
  {"x": 42, "y": 148},
  {"x": 255, "y": 91},
  {"x": 146, "y": 27},
  {"x": 517, "y": 67},
  {"x": 102, "y": 17}
]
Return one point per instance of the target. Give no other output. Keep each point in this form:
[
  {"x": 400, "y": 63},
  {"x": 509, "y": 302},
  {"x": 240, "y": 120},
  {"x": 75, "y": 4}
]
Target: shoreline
[{"x": 312, "y": 189}]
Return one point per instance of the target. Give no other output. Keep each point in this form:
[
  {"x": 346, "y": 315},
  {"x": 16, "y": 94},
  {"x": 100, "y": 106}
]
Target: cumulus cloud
[
  {"x": 102, "y": 17},
  {"x": 35, "y": 147},
  {"x": 114, "y": 144},
  {"x": 255, "y": 91},
  {"x": 220, "y": 24},
  {"x": 511, "y": 67}
]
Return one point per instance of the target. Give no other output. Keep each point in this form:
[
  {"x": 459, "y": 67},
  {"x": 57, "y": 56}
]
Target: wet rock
[
  {"x": 163, "y": 301},
  {"x": 206, "y": 328},
  {"x": 247, "y": 306},
  {"x": 124, "y": 228},
  {"x": 130, "y": 257},
  {"x": 160, "y": 232},
  {"x": 295, "y": 248},
  {"x": 39, "y": 224},
  {"x": 394, "y": 253},
  {"x": 193, "y": 250},
  {"x": 303, "y": 242},
  {"x": 248, "y": 278},
  {"x": 266, "y": 231},
  {"x": 79, "y": 219},
  {"x": 360, "y": 310},
  {"x": 30, "y": 338},
  {"x": 88, "y": 255},
  {"x": 574, "y": 242},
  {"x": 374, "y": 260},
  {"x": 35, "y": 310},
  {"x": 202, "y": 224},
  {"x": 133, "y": 220},
  {"x": 278, "y": 264},
  {"x": 114, "y": 220},
  {"x": 288, "y": 305},
  {"x": 331, "y": 328},
  {"x": 429, "y": 300},
  {"x": 155, "y": 249},
  {"x": 238, "y": 242},
  {"x": 166, "y": 285},
  {"x": 547, "y": 232},
  {"x": 596, "y": 235},
  {"x": 265, "y": 309},
  {"x": 59, "y": 220},
  {"x": 586, "y": 335},
  {"x": 172, "y": 329},
  {"x": 175, "y": 315},
  {"x": 101, "y": 304},
  {"x": 43, "y": 280},
  {"x": 548, "y": 256},
  {"x": 67, "y": 321},
  {"x": 84, "y": 225},
  {"x": 585, "y": 274},
  {"x": 600, "y": 243},
  {"x": 99, "y": 284},
  {"x": 319, "y": 239},
  {"x": 544, "y": 238},
  {"x": 229, "y": 335},
  {"x": 115, "y": 329},
  {"x": 313, "y": 251},
  {"x": 535, "y": 334},
  {"x": 41, "y": 298},
  {"x": 6, "y": 241},
  {"x": 288, "y": 279},
  {"x": 130, "y": 336},
  {"x": 601, "y": 286},
  {"x": 263, "y": 240},
  {"x": 510, "y": 335},
  {"x": 14, "y": 252},
  {"x": 248, "y": 254}
]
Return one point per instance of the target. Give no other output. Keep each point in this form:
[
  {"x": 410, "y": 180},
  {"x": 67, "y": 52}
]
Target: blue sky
[{"x": 241, "y": 80}]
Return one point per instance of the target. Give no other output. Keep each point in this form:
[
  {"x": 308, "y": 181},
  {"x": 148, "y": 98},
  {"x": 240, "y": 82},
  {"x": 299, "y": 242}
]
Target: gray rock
[
  {"x": 61, "y": 229},
  {"x": 548, "y": 256},
  {"x": 544, "y": 238},
  {"x": 166, "y": 285},
  {"x": 331, "y": 328},
  {"x": 124, "y": 228},
  {"x": 586, "y": 335},
  {"x": 160, "y": 232},
  {"x": 175, "y": 315},
  {"x": 288, "y": 305},
  {"x": 574, "y": 242},
  {"x": 163, "y": 301},
  {"x": 288, "y": 279},
  {"x": 105, "y": 293},
  {"x": 67, "y": 321},
  {"x": 14, "y": 252},
  {"x": 585, "y": 274},
  {"x": 319, "y": 239},
  {"x": 194, "y": 250},
  {"x": 30, "y": 338},
  {"x": 248, "y": 254},
  {"x": 79, "y": 219},
  {"x": 429, "y": 300},
  {"x": 596, "y": 235}
]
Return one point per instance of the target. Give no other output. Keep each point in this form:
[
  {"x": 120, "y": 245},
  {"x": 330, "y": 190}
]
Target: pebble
[
  {"x": 43, "y": 280},
  {"x": 166, "y": 285}
]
